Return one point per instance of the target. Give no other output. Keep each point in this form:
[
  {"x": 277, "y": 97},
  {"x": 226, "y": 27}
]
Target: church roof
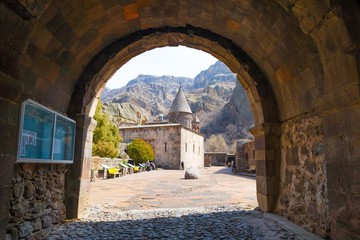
[
  {"x": 180, "y": 103},
  {"x": 196, "y": 119}
]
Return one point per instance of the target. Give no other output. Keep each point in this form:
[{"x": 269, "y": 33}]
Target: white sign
[
  {"x": 57, "y": 146},
  {"x": 29, "y": 137}
]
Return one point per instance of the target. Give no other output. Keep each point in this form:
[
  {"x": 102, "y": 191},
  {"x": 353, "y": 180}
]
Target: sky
[{"x": 176, "y": 61}]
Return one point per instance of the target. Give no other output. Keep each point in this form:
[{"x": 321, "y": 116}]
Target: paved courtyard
[
  {"x": 169, "y": 189},
  {"x": 161, "y": 204}
]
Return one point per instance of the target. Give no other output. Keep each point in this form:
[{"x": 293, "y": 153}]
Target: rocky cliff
[{"x": 214, "y": 95}]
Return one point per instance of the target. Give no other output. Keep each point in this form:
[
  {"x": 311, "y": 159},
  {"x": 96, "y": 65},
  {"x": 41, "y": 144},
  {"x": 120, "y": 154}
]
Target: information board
[{"x": 45, "y": 135}]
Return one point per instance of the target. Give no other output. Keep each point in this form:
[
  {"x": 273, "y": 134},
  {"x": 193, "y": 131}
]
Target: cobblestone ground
[
  {"x": 217, "y": 222},
  {"x": 162, "y": 205}
]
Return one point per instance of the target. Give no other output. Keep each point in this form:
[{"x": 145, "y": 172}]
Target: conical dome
[
  {"x": 180, "y": 103},
  {"x": 195, "y": 119}
]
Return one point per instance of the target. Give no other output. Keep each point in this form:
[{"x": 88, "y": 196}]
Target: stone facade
[
  {"x": 182, "y": 118},
  {"x": 216, "y": 158},
  {"x": 37, "y": 200},
  {"x": 245, "y": 156},
  {"x": 192, "y": 148},
  {"x": 172, "y": 144},
  {"x": 303, "y": 195}
]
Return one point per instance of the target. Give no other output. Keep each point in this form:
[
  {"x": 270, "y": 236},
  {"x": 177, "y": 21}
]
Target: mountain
[
  {"x": 215, "y": 95},
  {"x": 217, "y": 73},
  {"x": 233, "y": 120}
]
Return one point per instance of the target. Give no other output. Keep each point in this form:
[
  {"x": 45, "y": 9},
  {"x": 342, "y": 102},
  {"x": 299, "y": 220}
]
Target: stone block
[
  {"x": 259, "y": 142},
  {"x": 10, "y": 88},
  {"x": 192, "y": 173},
  {"x": 5, "y": 192},
  {"x": 262, "y": 201},
  {"x": 232, "y": 25},
  {"x": 292, "y": 157},
  {"x": 261, "y": 168},
  {"x": 25, "y": 229},
  {"x": 9, "y": 61},
  {"x": 95, "y": 13},
  {"x": 260, "y": 154},
  {"x": 261, "y": 184},
  {"x": 55, "y": 23},
  {"x": 354, "y": 149},
  {"x": 6, "y": 168},
  {"x": 309, "y": 13},
  {"x": 337, "y": 149},
  {"x": 41, "y": 37},
  {"x": 343, "y": 177},
  {"x": 109, "y": 4},
  {"x": 131, "y": 12},
  {"x": 83, "y": 203},
  {"x": 36, "y": 224},
  {"x": 46, "y": 221}
]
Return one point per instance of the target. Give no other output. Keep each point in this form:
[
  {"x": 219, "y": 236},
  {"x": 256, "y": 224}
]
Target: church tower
[
  {"x": 196, "y": 124},
  {"x": 180, "y": 111}
]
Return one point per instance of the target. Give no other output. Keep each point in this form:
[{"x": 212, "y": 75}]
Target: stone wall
[
  {"x": 303, "y": 195},
  {"x": 37, "y": 200},
  {"x": 192, "y": 148},
  {"x": 172, "y": 143},
  {"x": 216, "y": 158},
  {"x": 97, "y": 169},
  {"x": 96, "y": 162},
  {"x": 181, "y": 118},
  {"x": 165, "y": 140},
  {"x": 245, "y": 156}
]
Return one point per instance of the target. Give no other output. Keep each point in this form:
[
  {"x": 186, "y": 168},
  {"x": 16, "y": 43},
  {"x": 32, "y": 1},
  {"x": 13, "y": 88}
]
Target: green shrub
[
  {"x": 106, "y": 139},
  {"x": 140, "y": 151},
  {"x": 105, "y": 149}
]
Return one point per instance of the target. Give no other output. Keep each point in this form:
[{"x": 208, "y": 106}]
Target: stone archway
[
  {"x": 93, "y": 79},
  {"x": 307, "y": 50}
]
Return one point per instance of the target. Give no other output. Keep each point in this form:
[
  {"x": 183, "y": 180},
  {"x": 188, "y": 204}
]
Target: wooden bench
[
  {"x": 113, "y": 172},
  {"x": 135, "y": 168}
]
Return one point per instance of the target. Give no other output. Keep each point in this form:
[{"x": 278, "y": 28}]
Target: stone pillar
[
  {"x": 267, "y": 156},
  {"x": 77, "y": 182},
  {"x": 241, "y": 161},
  {"x": 9, "y": 113}
]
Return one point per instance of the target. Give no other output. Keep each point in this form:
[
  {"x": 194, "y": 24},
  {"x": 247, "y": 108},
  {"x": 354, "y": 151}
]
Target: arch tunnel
[{"x": 297, "y": 60}]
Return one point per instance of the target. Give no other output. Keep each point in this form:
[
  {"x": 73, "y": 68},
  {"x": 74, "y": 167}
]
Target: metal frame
[{"x": 36, "y": 160}]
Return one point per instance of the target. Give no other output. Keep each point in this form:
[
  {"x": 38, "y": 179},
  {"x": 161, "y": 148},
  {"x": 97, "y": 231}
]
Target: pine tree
[{"x": 106, "y": 138}]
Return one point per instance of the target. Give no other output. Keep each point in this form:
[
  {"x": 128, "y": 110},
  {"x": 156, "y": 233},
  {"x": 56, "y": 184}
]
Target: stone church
[{"x": 177, "y": 143}]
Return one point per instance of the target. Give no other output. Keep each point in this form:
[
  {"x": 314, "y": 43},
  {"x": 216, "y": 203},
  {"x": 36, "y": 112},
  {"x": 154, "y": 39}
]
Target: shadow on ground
[
  {"x": 183, "y": 224},
  {"x": 228, "y": 171}
]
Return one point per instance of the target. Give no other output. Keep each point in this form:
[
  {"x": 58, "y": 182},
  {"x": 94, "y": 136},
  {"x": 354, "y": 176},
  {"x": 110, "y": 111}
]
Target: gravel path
[{"x": 216, "y": 222}]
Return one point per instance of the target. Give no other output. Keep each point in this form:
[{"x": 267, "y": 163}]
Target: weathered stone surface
[
  {"x": 306, "y": 50},
  {"x": 303, "y": 195},
  {"x": 216, "y": 159},
  {"x": 38, "y": 196},
  {"x": 245, "y": 156},
  {"x": 171, "y": 144},
  {"x": 29, "y": 190},
  {"x": 46, "y": 221},
  {"x": 25, "y": 229},
  {"x": 192, "y": 173},
  {"x": 36, "y": 224}
]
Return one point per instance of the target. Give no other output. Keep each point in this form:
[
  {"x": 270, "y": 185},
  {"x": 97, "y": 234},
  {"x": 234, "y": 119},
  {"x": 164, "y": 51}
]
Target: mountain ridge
[{"x": 215, "y": 95}]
